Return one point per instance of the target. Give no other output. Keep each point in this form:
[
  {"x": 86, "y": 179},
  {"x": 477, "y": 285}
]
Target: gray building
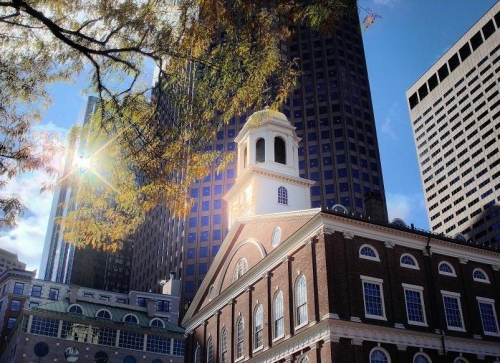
[
  {"x": 333, "y": 115},
  {"x": 9, "y": 260},
  {"x": 92, "y": 321},
  {"x": 62, "y": 262},
  {"x": 454, "y": 108}
]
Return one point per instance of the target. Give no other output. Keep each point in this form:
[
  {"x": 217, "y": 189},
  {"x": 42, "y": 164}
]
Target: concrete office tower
[
  {"x": 62, "y": 262},
  {"x": 454, "y": 108},
  {"x": 333, "y": 116}
]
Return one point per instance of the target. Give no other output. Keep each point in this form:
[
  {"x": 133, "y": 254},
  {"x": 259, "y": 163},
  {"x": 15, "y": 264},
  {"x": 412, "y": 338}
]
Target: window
[
  {"x": 240, "y": 337},
  {"x": 421, "y": 358},
  {"x": 377, "y": 355},
  {"x": 480, "y": 276},
  {"x": 460, "y": 360},
  {"x": 415, "y": 310},
  {"x": 223, "y": 346},
  {"x": 258, "y": 327},
  {"x": 142, "y": 302},
  {"x": 279, "y": 150},
  {"x": 304, "y": 359},
  {"x": 210, "y": 350},
  {"x": 453, "y": 311},
  {"x": 103, "y": 314},
  {"x": 44, "y": 326},
  {"x": 130, "y": 318},
  {"x": 15, "y": 305},
  {"x": 279, "y": 319},
  {"x": 373, "y": 297},
  {"x": 446, "y": 269},
  {"x": 131, "y": 340},
  {"x": 368, "y": 252},
  {"x": 157, "y": 323},
  {"x": 409, "y": 261},
  {"x": 11, "y": 322},
  {"x": 301, "y": 300},
  {"x": 53, "y": 294},
  {"x": 36, "y": 291},
  {"x": 488, "y": 316},
  {"x": 18, "y": 288},
  {"x": 197, "y": 355},
  {"x": 75, "y": 309},
  {"x": 260, "y": 151},
  {"x": 282, "y": 196},
  {"x": 178, "y": 347},
  {"x": 163, "y": 305},
  {"x": 240, "y": 269}
]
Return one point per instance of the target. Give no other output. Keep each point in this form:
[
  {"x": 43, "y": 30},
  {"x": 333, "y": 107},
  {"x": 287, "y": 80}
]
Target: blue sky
[{"x": 400, "y": 46}]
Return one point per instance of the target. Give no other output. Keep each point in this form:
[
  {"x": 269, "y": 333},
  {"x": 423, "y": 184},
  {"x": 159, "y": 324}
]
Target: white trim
[
  {"x": 415, "y": 267},
  {"x": 462, "y": 358},
  {"x": 423, "y": 354},
  {"x": 456, "y": 296},
  {"x": 382, "y": 350},
  {"x": 375, "y": 281},
  {"x": 376, "y": 258},
  {"x": 420, "y": 291},
  {"x": 453, "y": 273},
  {"x": 486, "y": 279},
  {"x": 490, "y": 302}
]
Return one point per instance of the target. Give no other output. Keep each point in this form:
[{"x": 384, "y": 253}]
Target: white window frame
[
  {"x": 453, "y": 273},
  {"x": 453, "y": 295},
  {"x": 302, "y": 303},
  {"x": 486, "y": 279},
  {"x": 240, "y": 343},
  {"x": 423, "y": 355},
  {"x": 258, "y": 327},
  {"x": 210, "y": 350},
  {"x": 420, "y": 291},
  {"x": 460, "y": 360},
  {"x": 375, "y": 281},
  {"x": 278, "y": 314},
  {"x": 376, "y": 258},
  {"x": 415, "y": 267},
  {"x": 387, "y": 355},
  {"x": 223, "y": 346},
  {"x": 491, "y": 302}
]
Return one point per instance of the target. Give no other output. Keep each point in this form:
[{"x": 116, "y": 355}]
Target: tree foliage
[{"x": 216, "y": 59}]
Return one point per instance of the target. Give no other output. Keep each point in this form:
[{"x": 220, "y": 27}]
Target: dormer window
[
  {"x": 260, "y": 151},
  {"x": 131, "y": 318},
  {"x": 279, "y": 150},
  {"x": 282, "y": 196},
  {"x": 75, "y": 309}
]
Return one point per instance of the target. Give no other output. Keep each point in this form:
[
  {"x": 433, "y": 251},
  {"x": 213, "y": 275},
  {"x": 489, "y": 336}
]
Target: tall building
[
  {"x": 61, "y": 261},
  {"x": 322, "y": 285},
  {"x": 9, "y": 260},
  {"x": 454, "y": 108},
  {"x": 333, "y": 116}
]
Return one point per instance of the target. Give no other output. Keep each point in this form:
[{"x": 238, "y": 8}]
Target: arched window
[
  {"x": 461, "y": 360},
  {"x": 245, "y": 156},
  {"x": 279, "y": 318},
  {"x": 157, "y": 323},
  {"x": 75, "y": 309},
  {"x": 210, "y": 350},
  {"x": 282, "y": 196},
  {"x": 377, "y": 355},
  {"x": 446, "y": 269},
  {"x": 304, "y": 359},
  {"x": 197, "y": 355},
  {"x": 131, "y": 318},
  {"x": 409, "y": 261},
  {"x": 279, "y": 150},
  {"x": 103, "y": 314},
  {"x": 240, "y": 269},
  {"x": 258, "y": 327},
  {"x": 421, "y": 358},
  {"x": 480, "y": 275},
  {"x": 368, "y": 252},
  {"x": 260, "y": 151},
  {"x": 223, "y": 346},
  {"x": 240, "y": 337},
  {"x": 301, "y": 300}
]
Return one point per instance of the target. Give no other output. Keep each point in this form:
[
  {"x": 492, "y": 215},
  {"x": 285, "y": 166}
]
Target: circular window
[
  {"x": 129, "y": 359},
  {"x": 71, "y": 354},
  {"x": 276, "y": 236},
  {"x": 101, "y": 357},
  {"x": 41, "y": 349},
  {"x": 211, "y": 292}
]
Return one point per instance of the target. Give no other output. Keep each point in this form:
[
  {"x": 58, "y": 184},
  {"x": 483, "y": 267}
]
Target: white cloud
[
  {"x": 388, "y": 127},
  {"x": 406, "y": 207},
  {"x": 27, "y": 239}
]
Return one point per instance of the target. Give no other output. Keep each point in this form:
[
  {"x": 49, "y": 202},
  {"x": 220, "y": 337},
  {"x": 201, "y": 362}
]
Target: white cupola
[{"x": 268, "y": 179}]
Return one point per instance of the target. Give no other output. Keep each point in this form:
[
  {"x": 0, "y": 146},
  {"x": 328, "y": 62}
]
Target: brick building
[{"x": 317, "y": 285}]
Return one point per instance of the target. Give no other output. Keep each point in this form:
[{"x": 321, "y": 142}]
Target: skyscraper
[
  {"x": 454, "y": 108},
  {"x": 332, "y": 113},
  {"x": 61, "y": 261}
]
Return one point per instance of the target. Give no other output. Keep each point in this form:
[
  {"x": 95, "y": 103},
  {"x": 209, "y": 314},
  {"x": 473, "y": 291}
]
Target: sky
[{"x": 402, "y": 43}]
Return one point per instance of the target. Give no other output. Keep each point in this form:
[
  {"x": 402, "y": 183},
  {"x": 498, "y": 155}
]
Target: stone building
[{"x": 324, "y": 285}]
